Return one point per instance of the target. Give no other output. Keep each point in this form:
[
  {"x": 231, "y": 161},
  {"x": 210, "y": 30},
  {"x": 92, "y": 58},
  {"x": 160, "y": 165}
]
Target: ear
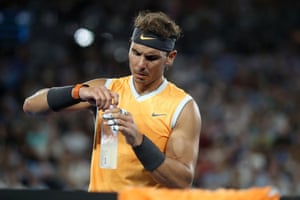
[{"x": 171, "y": 57}]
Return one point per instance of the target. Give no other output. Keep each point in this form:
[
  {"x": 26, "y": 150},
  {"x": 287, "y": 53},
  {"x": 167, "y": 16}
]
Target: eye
[
  {"x": 135, "y": 52},
  {"x": 152, "y": 57}
]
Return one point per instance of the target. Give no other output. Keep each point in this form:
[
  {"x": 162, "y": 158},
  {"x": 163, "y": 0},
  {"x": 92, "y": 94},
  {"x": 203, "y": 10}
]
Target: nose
[{"x": 141, "y": 63}]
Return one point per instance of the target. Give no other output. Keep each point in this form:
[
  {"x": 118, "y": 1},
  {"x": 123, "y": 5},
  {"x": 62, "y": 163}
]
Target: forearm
[
  {"x": 173, "y": 174},
  {"x": 37, "y": 103},
  {"x": 52, "y": 99},
  {"x": 166, "y": 171}
]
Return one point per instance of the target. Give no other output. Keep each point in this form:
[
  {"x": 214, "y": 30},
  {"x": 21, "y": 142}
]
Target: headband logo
[{"x": 142, "y": 37}]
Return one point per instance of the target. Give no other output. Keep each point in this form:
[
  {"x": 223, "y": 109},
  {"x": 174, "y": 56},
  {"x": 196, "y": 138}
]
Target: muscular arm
[
  {"x": 95, "y": 95},
  {"x": 177, "y": 171}
]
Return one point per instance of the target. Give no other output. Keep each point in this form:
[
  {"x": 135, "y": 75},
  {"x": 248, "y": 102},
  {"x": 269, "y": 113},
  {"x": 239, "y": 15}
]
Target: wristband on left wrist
[
  {"x": 62, "y": 97},
  {"x": 76, "y": 88}
]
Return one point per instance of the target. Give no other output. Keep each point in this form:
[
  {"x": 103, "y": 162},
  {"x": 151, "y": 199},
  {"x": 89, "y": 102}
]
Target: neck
[{"x": 143, "y": 88}]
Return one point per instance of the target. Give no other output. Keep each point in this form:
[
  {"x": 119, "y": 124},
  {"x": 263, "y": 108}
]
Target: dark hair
[{"x": 157, "y": 23}]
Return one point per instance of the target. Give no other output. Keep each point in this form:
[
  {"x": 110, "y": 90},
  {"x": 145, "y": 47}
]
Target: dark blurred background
[{"x": 239, "y": 59}]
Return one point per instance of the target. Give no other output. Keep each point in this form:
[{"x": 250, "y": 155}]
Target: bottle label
[
  {"x": 109, "y": 144},
  {"x": 109, "y": 152}
]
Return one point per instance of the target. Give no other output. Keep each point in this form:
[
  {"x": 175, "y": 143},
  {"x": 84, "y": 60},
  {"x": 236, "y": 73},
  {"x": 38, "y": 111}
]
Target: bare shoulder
[
  {"x": 183, "y": 143},
  {"x": 190, "y": 117}
]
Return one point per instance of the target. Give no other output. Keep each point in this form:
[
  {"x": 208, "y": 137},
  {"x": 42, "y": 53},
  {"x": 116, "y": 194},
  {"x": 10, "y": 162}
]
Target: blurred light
[
  {"x": 23, "y": 18},
  {"x": 84, "y": 37},
  {"x": 121, "y": 54}
]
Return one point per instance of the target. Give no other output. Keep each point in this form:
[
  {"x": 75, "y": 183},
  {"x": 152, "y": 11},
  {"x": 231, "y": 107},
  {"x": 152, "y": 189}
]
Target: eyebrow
[
  {"x": 149, "y": 57},
  {"x": 146, "y": 54}
]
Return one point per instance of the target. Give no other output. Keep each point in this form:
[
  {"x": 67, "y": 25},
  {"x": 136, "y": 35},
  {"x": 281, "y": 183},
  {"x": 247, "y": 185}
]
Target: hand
[
  {"x": 126, "y": 125},
  {"x": 101, "y": 97}
]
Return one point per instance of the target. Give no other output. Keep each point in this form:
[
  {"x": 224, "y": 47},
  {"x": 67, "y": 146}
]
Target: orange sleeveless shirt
[{"x": 155, "y": 115}]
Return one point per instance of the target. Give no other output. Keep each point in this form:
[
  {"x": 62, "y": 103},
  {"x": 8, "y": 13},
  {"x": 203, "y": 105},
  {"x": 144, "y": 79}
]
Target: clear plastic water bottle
[{"x": 109, "y": 142}]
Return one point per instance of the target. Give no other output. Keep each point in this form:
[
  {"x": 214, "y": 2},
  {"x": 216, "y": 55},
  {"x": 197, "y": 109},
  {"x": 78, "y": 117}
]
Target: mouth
[{"x": 140, "y": 76}]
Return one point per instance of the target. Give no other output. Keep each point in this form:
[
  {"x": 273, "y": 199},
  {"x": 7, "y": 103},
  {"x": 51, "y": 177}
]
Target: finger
[
  {"x": 103, "y": 97},
  {"x": 107, "y": 97},
  {"x": 118, "y": 113},
  {"x": 115, "y": 98},
  {"x": 127, "y": 116},
  {"x": 113, "y": 110},
  {"x": 99, "y": 99},
  {"x": 123, "y": 111}
]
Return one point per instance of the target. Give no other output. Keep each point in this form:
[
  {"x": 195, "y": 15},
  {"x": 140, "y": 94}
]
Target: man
[{"x": 158, "y": 123}]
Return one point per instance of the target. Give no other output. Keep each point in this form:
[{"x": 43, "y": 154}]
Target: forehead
[{"x": 145, "y": 49}]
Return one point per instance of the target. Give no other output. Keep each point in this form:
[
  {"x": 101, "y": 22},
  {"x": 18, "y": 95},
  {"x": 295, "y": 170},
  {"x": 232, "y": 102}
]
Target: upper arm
[
  {"x": 96, "y": 82},
  {"x": 183, "y": 144}
]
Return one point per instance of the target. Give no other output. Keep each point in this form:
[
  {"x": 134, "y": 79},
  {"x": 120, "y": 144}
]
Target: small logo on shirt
[{"x": 158, "y": 114}]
